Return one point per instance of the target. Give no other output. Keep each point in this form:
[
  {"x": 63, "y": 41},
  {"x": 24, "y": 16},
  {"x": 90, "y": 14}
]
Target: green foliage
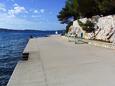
[
  {"x": 88, "y": 26},
  {"x": 105, "y": 7},
  {"x": 85, "y": 8},
  {"x": 63, "y": 15},
  {"x": 67, "y": 27},
  {"x": 70, "y": 10},
  {"x": 89, "y": 8}
]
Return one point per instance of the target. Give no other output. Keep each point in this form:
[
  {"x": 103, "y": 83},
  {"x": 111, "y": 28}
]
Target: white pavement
[{"x": 56, "y": 62}]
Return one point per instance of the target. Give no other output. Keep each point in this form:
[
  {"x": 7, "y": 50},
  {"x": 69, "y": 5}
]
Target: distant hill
[
  {"x": 4, "y": 29},
  {"x": 26, "y": 30}
]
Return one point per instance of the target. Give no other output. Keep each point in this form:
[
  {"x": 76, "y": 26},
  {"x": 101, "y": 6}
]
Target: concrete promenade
[{"x": 54, "y": 61}]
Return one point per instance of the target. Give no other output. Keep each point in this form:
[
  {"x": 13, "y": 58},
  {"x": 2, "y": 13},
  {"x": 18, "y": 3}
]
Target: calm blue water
[{"x": 11, "y": 48}]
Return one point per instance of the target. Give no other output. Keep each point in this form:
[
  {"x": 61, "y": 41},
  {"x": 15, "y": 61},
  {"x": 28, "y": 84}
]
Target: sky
[{"x": 31, "y": 14}]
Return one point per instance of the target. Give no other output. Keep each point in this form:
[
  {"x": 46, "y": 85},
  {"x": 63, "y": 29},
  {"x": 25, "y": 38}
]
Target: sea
[{"x": 12, "y": 44}]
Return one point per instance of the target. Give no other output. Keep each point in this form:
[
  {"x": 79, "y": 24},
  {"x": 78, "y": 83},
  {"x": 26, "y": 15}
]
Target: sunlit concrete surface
[{"x": 54, "y": 61}]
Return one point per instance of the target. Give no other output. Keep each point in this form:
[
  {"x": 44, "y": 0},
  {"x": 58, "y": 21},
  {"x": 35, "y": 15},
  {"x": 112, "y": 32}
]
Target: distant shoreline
[{"x": 11, "y": 30}]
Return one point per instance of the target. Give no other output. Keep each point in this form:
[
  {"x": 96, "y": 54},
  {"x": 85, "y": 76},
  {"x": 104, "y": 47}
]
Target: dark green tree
[
  {"x": 69, "y": 11},
  {"x": 85, "y": 8},
  {"x": 68, "y": 26},
  {"x": 105, "y": 7},
  {"x": 89, "y": 8},
  {"x": 88, "y": 26}
]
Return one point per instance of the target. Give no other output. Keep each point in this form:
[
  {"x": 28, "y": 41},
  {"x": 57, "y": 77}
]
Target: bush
[{"x": 88, "y": 26}]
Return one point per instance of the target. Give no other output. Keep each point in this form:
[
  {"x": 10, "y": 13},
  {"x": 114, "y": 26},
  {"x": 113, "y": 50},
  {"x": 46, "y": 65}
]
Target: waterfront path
[{"x": 54, "y": 61}]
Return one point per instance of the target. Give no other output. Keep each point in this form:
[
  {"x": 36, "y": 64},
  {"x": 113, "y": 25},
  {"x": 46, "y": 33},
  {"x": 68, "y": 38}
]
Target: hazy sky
[{"x": 30, "y": 14}]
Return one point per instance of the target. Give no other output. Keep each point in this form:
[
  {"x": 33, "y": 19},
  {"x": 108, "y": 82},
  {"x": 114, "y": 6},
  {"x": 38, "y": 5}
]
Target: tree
[
  {"x": 85, "y": 8},
  {"x": 76, "y": 9},
  {"x": 69, "y": 11},
  {"x": 89, "y": 8},
  {"x": 88, "y": 26},
  {"x": 63, "y": 15},
  {"x": 68, "y": 26},
  {"x": 105, "y": 7}
]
